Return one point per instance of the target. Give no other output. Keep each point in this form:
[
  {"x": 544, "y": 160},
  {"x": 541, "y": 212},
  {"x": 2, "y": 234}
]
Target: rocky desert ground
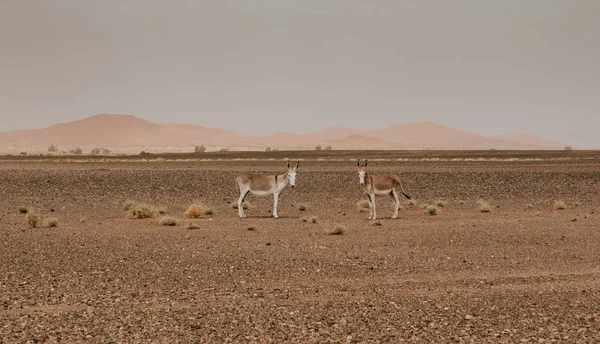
[{"x": 527, "y": 271}]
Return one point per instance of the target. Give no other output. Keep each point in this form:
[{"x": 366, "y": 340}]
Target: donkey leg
[
  {"x": 397, "y": 200},
  {"x": 275, "y": 201},
  {"x": 243, "y": 195},
  {"x": 370, "y": 207},
  {"x": 374, "y": 207}
]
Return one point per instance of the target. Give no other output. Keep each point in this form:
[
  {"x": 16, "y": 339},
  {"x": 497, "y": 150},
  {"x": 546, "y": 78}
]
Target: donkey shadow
[{"x": 270, "y": 217}]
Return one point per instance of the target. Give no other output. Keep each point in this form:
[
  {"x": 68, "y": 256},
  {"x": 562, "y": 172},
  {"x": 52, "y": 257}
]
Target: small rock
[{"x": 468, "y": 317}]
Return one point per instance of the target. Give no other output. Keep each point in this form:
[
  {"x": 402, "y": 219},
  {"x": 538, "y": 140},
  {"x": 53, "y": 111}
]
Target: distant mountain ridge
[{"x": 128, "y": 130}]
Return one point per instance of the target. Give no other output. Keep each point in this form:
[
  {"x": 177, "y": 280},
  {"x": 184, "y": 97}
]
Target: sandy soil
[{"x": 524, "y": 272}]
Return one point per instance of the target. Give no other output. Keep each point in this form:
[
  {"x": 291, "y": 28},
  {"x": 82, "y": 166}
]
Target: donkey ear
[
  {"x": 366, "y": 162},
  {"x": 288, "y": 164},
  {"x": 358, "y": 162},
  {"x": 298, "y": 164}
]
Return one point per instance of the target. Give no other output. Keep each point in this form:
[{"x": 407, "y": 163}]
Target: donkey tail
[{"x": 404, "y": 193}]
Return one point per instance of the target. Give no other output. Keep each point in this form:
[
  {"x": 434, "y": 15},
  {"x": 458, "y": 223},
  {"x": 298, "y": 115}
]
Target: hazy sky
[{"x": 257, "y": 67}]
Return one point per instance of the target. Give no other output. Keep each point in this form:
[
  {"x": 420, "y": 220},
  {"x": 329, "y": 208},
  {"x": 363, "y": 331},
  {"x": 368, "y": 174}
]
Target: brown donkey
[
  {"x": 261, "y": 185},
  {"x": 384, "y": 184}
]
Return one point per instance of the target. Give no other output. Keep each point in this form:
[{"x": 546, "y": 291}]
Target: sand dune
[
  {"x": 128, "y": 130},
  {"x": 528, "y": 139},
  {"x": 123, "y": 130},
  {"x": 356, "y": 141}
]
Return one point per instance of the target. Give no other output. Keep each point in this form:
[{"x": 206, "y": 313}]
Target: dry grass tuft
[
  {"x": 192, "y": 225},
  {"x": 412, "y": 202},
  {"x": 376, "y": 223},
  {"x": 209, "y": 211},
  {"x": 363, "y": 205},
  {"x": 162, "y": 210},
  {"x": 23, "y": 210},
  {"x": 441, "y": 203},
  {"x": 461, "y": 202},
  {"x": 194, "y": 211},
  {"x": 142, "y": 211},
  {"x": 302, "y": 207},
  {"x": 483, "y": 206},
  {"x": 560, "y": 205},
  {"x": 32, "y": 219},
  {"x": 129, "y": 204},
  {"x": 167, "y": 221},
  {"x": 51, "y": 222},
  {"x": 337, "y": 230},
  {"x": 431, "y": 210},
  {"x": 577, "y": 203}
]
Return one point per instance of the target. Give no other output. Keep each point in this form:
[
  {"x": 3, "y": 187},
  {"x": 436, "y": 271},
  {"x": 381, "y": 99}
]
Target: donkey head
[
  {"x": 292, "y": 173},
  {"x": 361, "y": 171}
]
